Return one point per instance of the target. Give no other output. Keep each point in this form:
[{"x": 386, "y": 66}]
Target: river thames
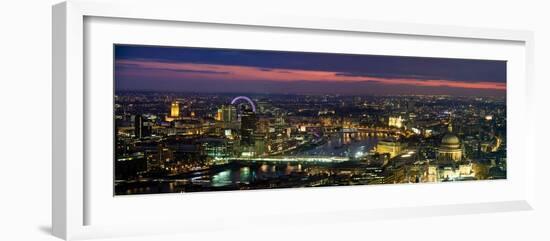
[{"x": 239, "y": 175}]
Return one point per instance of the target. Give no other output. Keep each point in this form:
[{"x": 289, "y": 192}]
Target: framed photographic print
[{"x": 162, "y": 121}]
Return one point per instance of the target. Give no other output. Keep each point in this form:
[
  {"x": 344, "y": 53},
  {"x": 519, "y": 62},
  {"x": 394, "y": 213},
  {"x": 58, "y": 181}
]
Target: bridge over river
[{"x": 310, "y": 159}]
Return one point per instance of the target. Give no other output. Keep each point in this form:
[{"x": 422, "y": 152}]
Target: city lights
[{"x": 199, "y": 119}]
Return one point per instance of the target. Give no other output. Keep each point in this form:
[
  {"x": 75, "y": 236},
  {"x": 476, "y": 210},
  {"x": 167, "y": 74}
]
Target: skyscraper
[
  {"x": 248, "y": 127},
  {"x": 141, "y": 127},
  {"x": 229, "y": 113}
]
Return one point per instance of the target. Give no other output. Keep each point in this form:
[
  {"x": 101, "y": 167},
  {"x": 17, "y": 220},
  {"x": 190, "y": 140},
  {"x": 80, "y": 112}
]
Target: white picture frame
[{"x": 71, "y": 191}]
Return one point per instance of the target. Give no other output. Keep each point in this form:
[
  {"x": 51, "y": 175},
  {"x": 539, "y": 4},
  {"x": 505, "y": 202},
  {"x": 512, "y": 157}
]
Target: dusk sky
[{"x": 155, "y": 68}]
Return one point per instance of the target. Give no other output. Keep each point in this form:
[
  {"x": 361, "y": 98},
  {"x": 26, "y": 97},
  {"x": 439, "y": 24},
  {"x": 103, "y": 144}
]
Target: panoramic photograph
[{"x": 191, "y": 119}]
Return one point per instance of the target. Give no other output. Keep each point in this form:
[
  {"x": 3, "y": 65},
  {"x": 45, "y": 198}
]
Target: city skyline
[
  {"x": 203, "y": 119},
  {"x": 207, "y": 70}
]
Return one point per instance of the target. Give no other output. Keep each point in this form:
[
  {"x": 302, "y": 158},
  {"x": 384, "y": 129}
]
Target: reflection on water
[
  {"x": 222, "y": 179},
  {"x": 246, "y": 174},
  {"x": 343, "y": 145},
  {"x": 252, "y": 175}
]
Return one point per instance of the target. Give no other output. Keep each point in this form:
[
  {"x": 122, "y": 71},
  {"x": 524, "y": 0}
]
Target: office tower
[
  {"x": 248, "y": 127},
  {"x": 141, "y": 127},
  {"x": 229, "y": 113}
]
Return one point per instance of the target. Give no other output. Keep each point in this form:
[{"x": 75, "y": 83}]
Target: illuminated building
[
  {"x": 188, "y": 126},
  {"x": 389, "y": 146},
  {"x": 451, "y": 167},
  {"x": 174, "y": 111},
  {"x": 432, "y": 175},
  {"x": 219, "y": 115},
  {"x": 450, "y": 148},
  {"x": 465, "y": 169},
  {"x": 213, "y": 147},
  {"x": 227, "y": 114},
  {"x": 141, "y": 127},
  {"x": 447, "y": 173},
  {"x": 450, "y": 172},
  {"x": 395, "y": 122}
]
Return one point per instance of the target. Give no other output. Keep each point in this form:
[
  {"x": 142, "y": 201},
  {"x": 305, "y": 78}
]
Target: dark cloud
[{"x": 351, "y": 65}]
